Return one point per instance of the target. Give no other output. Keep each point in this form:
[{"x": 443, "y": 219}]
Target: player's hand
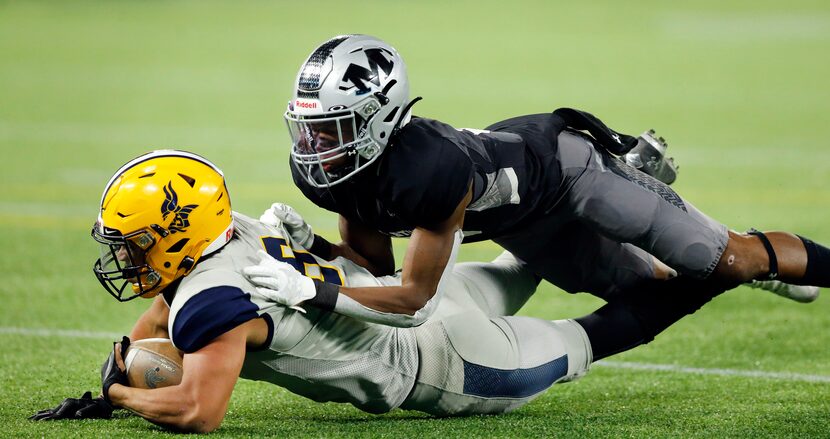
[
  {"x": 294, "y": 223},
  {"x": 85, "y": 407},
  {"x": 280, "y": 282},
  {"x": 113, "y": 371}
]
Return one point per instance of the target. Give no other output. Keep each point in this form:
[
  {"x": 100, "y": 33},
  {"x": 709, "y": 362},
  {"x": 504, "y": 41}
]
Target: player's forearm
[
  {"x": 419, "y": 285},
  {"x": 409, "y": 304},
  {"x": 395, "y": 299},
  {"x": 172, "y": 407},
  {"x": 391, "y": 306}
]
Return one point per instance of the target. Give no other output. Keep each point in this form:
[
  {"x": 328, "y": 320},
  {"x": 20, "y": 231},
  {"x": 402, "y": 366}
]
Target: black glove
[
  {"x": 110, "y": 373},
  {"x": 85, "y": 407}
]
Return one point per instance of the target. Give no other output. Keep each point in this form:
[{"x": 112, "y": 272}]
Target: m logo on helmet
[
  {"x": 358, "y": 76},
  {"x": 171, "y": 205}
]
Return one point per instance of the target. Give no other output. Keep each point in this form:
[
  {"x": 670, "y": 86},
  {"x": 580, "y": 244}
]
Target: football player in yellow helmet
[
  {"x": 163, "y": 212},
  {"x": 160, "y": 213}
]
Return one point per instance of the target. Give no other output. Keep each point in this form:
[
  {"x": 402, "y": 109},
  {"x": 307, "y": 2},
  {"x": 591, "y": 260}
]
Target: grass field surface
[{"x": 740, "y": 90}]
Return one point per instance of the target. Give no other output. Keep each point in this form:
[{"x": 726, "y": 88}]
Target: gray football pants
[
  {"x": 610, "y": 220},
  {"x": 472, "y": 360},
  {"x": 474, "y": 364}
]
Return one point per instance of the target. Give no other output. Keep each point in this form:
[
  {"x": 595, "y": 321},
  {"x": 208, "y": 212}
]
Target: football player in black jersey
[
  {"x": 167, "y": 233},
  {"x": 547, "y": 187}
]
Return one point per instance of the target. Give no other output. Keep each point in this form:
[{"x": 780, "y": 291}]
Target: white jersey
[
  {"x": 464, "y": 360},
  {"x": 321, "y": 355}
]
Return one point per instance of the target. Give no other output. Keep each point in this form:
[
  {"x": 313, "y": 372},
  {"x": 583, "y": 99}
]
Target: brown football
[{"x": 153, "y": 363}]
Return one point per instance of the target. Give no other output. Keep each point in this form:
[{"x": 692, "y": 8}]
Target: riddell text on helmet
[{"x": 305, "y": 104}]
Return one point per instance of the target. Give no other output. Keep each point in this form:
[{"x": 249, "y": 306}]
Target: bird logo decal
[
  {"x": 152, "y": 378},
  {"x": 171, "y": 205}
]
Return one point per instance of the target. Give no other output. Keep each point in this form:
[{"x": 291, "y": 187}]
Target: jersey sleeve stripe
[
  {"x": 268, "y": 339},
  {"x": 209, "y": 314}
]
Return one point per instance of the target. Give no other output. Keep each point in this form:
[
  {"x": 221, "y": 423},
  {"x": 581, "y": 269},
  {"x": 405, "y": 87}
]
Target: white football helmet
[{"x": 349, "y": 97}]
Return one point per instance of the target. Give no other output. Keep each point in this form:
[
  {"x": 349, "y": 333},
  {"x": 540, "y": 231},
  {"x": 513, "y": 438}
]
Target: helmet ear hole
[
  {"x": 391, "y": 116},
  {"x": 178, "y": 246}
]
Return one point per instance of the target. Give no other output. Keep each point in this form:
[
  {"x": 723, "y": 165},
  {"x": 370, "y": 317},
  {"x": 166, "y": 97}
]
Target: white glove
[
  {"x": 280, "y": 282},
  {"x": 294, "y": 223}
]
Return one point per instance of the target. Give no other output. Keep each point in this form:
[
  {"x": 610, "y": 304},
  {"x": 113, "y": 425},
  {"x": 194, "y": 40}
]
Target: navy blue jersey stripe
[
  {"x": 512, "y": 383},
  {"x": 270, "y": 337},
  {"x": 209, "y": 314}
]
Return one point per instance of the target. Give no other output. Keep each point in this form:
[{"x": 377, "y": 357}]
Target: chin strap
[{"x": 405, "y": 110}]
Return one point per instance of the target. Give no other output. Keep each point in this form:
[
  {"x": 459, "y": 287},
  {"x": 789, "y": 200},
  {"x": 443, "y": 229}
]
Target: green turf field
[{"x": 740, "y": 90}]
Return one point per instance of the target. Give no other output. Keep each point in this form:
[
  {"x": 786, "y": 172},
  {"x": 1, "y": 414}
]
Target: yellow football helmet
[{"x": 160, "y": 213}]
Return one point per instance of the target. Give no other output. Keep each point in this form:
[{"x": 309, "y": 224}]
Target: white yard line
[
  {"x": 68, "y": 333},
  {"x": 651, "y": 367},
  {"x": 676, "y": 368}
]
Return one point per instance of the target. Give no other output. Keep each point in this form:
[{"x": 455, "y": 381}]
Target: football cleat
[
  {"x": 798, "y": 293},
  {"x": 649, "y": 156}
]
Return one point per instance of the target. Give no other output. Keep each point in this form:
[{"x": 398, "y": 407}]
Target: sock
[
  {"x": 818, "y": 265},
  {"x": 613, "y": 329},
  {"x": 639, "y": 315}
]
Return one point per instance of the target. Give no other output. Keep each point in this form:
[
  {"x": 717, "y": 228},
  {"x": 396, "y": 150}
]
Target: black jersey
[{"x": 429, "y": 166}]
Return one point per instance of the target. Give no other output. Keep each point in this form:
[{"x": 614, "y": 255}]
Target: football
[{"x": 153, "y": 363}]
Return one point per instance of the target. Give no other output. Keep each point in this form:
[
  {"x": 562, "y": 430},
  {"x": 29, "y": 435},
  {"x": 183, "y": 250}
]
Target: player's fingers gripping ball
[
  {"x": 153, "y": 363},
  {"x": 112, "y": 371}
]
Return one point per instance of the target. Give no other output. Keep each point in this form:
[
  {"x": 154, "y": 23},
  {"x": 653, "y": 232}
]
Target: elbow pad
[{"x": 350, "y": 307}]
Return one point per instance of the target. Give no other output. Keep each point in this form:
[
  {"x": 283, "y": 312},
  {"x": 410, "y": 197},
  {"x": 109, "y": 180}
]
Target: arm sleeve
[{"x": 209, "y": 314}]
